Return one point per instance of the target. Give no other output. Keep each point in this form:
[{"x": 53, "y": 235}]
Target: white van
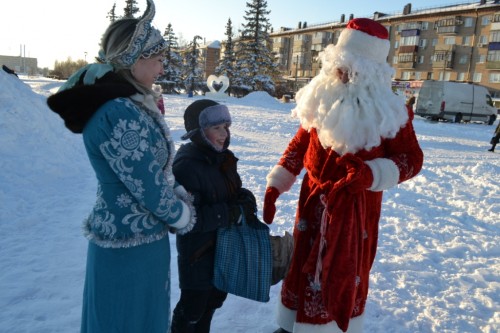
[{"x": 455, "y": 101}]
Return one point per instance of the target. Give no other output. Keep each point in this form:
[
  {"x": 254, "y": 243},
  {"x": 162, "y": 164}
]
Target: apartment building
[
  {"x": 454, "y": 43},
  {"x": 210, "y": 54}
]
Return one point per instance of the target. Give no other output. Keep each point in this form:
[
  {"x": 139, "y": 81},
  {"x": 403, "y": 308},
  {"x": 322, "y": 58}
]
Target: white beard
[{"x": 353, "y": 116}]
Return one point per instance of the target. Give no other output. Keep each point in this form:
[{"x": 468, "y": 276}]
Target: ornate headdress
[{"x": 145, "y": 41}]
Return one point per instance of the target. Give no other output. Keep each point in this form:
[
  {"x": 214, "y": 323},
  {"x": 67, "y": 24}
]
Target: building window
[
  {"x": 410, "y": 40},
  {"x": 396, "y": 44},
  {"x": 485, "y": 20},
  {"x": 477, "y": 77},
  {"x": 406, "y": 57},
  {"x": 406, "y": 75},
  {"x": 425, "y": 25},
  {"x": 466, "y": 41},
  {"x": 395, "y": 59},
  {"x": 463, "y": 59},
  {"x": 447, "y": 22},
  {"x": 421, "y": 59},
  {"x": 481, "y": 59},
  {"x": 434, "y": 41},
  {"x": 468, "y": 22},
  {"x": 422, "y": 43},
  {"x": 483, "y": 40},
  {"x": 461, "y": 76},
  {"x": 495, "y": 36},
  {"x": 444, "y": 76},
  {"x": 449, "y": 40},
  {"x": 418, "y": 75},
  {"x": 494, "y": 55},
  {"x": 494, "y": 77},
  {"x": 430, "y": 76}
]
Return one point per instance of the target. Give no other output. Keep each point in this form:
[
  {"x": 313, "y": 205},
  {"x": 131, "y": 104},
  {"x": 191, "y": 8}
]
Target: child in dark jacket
[{"x": 208, "y": 170}]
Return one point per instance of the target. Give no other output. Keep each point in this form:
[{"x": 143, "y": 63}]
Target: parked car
[{"x": 455, "y": 101}]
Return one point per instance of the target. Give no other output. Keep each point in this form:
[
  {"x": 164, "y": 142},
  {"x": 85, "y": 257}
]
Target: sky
[
  {"x": 438, "y": 260},
  {"x": 57, "y": 29}
]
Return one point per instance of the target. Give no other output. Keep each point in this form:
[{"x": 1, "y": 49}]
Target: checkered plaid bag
[{"x": 244, "y": 261}]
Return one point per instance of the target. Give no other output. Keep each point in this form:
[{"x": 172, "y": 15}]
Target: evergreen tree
[
  {"x": 256, "y": 63},
  {"x": 227, "y": 64},
  {"x": 130, "y": 9},
  {"x": 112, "y": 14},
  {"x": 193, "y": 74},
  {"x": 172, "y": 65}
]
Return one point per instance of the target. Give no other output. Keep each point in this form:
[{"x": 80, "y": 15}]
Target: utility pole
[{"x": 296, "y": 71}]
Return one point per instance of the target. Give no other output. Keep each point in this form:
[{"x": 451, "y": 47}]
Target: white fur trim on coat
[
  {"x": 280, "y": 178},
  {"x": 355, "y": 41},
  {"x": 385, "y": 174},
  {"x": 286, "y": 320},
  {"x": 355, "y": 326},
  {"x": 184, "y": 219},
  {"x": 285, "y": 317}
]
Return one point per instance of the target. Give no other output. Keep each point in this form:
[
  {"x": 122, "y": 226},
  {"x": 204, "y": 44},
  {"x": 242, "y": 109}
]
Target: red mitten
[
  {"x": 359, "y": 175},
  {"x": 269, "y": 210}
]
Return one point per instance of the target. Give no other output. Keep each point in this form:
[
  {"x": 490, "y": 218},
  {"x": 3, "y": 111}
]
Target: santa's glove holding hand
[
  {"x": 359, "y": 176},
  {"x": 269, "y": 210}
]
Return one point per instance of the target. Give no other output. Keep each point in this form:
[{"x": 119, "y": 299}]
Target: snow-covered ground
[{"x": 438, "y": 262}]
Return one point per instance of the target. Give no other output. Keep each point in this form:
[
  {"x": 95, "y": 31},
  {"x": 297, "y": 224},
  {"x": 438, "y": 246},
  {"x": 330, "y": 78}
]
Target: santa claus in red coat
[{"x": 356, "y": 140}]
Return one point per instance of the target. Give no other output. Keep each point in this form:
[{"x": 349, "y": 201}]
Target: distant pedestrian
[
  {"x": 8, "y": 70},
  {"x": 495, "y": 139},
  {"x": 410, "y": 102}
]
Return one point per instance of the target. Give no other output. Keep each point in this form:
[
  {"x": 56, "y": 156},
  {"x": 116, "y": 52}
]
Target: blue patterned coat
[
  {"x": 127, "y": 278},
  {"x": 131, "y": 152}
]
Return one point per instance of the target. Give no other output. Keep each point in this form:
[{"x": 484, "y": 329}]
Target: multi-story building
[
  {"x": 453, "y": 43},
  {"x": 20, "y": 64},
  {"x": 210, "y": 54}
]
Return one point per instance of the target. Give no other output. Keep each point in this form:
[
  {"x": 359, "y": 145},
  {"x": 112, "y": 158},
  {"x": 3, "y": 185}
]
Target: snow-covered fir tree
[
  {"x": 256, "y": 63},
  {"x": 192, "y": 72},
  {"x": 172, "y": 66},
  {"x": 130, "y": 9},
  {"x": 228, "y": 62}
]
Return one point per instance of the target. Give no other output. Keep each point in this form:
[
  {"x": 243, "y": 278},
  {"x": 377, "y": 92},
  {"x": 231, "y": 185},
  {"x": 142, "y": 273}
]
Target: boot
[
  {"x": 280, "y": 330},
  {"x": 203, "y": 325},
  {"x": 181, "y": 325}
]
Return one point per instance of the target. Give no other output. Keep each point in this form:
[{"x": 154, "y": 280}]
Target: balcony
[
  {"x": 447, "y": 30},
  {"x": 408, "y": 49},
  {"x": 493, "y": 65},
  {"x": 406, "y": 65}
]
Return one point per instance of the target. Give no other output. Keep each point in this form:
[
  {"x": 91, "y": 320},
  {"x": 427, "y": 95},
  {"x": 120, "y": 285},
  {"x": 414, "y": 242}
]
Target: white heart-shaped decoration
[{"x": 218, "y": 80}]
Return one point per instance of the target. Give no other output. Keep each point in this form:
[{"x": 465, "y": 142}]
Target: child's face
[{"x": 217, "y": 135}]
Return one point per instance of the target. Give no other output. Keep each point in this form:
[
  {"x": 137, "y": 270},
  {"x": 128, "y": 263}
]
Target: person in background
[
  {"x": 9, "y": 70},
  {"x": 161, "y": 105},
  {"x": 411, "y": 102},
  {"x": 495, "y": 139},
  {"x": 356, "y": 140},
  {"x": 127, "y": 280},
  {"x": 208, "y": 171}
]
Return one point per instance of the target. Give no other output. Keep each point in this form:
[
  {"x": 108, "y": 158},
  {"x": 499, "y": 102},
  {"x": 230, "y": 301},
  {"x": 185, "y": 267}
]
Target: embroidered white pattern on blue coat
[{"x": 132, "y": 156}]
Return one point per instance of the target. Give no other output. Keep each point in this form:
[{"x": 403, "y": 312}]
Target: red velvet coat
[{"x": 333, "y": 285}]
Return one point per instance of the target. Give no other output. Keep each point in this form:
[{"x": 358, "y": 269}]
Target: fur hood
[{"x": 77, "y": 105}]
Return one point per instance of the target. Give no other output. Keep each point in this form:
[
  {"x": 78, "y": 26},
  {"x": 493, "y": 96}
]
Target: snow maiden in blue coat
[{"x": 127, "y": 282}]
